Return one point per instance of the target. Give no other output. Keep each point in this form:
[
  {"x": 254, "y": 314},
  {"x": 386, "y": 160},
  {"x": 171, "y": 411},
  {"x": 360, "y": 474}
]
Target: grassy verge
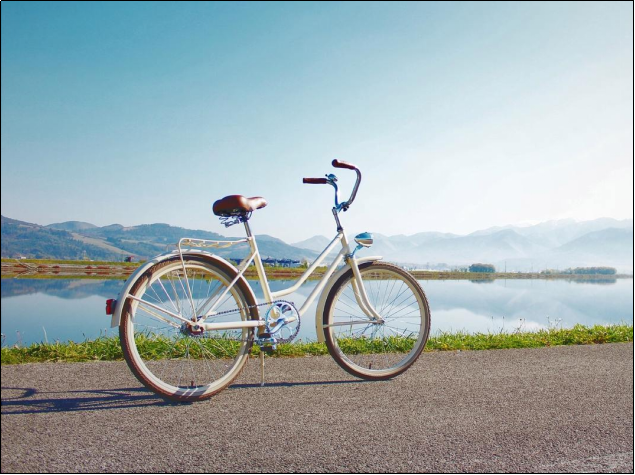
[{"x": 109, "y": 349}]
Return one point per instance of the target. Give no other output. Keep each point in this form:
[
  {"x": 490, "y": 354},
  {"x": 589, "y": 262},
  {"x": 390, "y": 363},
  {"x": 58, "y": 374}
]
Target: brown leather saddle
[{"x": 238, "y": 205}]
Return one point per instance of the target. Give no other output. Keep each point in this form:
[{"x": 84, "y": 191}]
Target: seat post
[{"x": 247, "y": 228}]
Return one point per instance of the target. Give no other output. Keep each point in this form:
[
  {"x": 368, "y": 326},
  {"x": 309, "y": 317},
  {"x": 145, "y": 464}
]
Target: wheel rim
[
  {"x": 167, "y": 355},
  {"x": 388, "y": 348}
]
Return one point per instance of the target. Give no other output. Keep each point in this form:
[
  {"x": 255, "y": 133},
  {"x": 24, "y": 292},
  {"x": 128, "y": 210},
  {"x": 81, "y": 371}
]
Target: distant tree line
[
  {"x": 489, "y": 268},
  {"x": 583, "y": 271}
]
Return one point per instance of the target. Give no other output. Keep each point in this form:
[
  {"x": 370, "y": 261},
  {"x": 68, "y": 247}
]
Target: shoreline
[{"x": 53, "y": 268}]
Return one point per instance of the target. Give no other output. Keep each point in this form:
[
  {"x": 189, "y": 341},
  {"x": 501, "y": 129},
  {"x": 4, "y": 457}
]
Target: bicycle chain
[{"x": 248, "y": 307}]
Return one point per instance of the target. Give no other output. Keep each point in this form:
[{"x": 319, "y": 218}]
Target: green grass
[
  {"x": 578, "y": 335},
  {"x": 109, "y": 349}
]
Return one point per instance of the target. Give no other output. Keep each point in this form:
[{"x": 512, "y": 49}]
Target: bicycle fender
[
  {"x": 319, "y": 314},
  {"x": 223, "y": 263}
]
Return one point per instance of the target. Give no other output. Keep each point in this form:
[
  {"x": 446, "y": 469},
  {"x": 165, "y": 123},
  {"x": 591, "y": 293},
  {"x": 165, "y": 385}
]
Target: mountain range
[
  {"x": 553, "y": 244},
  {"x": 79, "y": 240}
]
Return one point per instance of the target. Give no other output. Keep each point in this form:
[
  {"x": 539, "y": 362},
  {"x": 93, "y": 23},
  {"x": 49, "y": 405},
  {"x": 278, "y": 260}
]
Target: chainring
[{"x": 283, "y": 309}]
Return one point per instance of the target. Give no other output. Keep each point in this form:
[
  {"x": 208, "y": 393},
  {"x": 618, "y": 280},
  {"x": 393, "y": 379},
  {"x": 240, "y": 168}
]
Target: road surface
[{"x": 562, "y": 409}]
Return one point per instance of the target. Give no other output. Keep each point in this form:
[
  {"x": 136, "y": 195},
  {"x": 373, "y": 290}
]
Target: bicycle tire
[
  {"x": 377, "y": 351},
  {"x": 162, "y": 352}
]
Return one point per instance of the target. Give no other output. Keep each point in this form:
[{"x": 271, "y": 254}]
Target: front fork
[{"x": 360, "y": 292}]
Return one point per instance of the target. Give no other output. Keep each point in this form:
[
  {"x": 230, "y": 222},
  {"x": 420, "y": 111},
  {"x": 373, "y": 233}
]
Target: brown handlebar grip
[
  {"x": 314, "y": 181},
  {"x": 337, "y": 164}
]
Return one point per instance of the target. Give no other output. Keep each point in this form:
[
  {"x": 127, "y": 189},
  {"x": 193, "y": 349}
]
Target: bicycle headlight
[{"x": 364, "y": 239}]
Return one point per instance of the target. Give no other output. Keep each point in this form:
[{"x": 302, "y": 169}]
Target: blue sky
[{"x": 461, "y": 116}]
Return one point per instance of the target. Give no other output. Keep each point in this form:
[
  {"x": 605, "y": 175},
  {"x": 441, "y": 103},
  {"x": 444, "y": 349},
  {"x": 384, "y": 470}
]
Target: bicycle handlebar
[
  {"x": 323, "y": 181},
  {"x": 337, "y": 164},
  {"x": 350, "y": 166},
  {"x": 315, "y": 181}
]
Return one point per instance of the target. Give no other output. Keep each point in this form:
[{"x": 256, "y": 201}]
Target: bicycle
[{"x": 188, "y": 318}]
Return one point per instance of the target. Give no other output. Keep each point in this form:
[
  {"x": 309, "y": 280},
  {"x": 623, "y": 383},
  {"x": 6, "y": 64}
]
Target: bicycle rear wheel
[
  {"x": 377, "y": 350},
  {"x": 172, "y": 357}
]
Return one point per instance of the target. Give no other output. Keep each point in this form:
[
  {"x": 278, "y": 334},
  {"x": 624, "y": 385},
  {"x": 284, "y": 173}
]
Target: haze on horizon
[{"x": 461, "y": 116}]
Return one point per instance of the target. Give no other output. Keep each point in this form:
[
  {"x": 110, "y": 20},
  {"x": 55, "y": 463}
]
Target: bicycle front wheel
[
  {"x": 172, "y": 356},
  {"x": 377, "y": 349}
]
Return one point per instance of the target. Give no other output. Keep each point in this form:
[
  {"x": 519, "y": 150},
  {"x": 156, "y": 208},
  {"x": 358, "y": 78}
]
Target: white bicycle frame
[
  {"x": 323, "y": 287},
  {"x": 269, "y": 296}
]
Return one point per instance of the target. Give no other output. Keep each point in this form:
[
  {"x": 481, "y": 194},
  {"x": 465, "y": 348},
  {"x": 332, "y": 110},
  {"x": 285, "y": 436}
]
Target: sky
[{"x": 460, "y": 116}]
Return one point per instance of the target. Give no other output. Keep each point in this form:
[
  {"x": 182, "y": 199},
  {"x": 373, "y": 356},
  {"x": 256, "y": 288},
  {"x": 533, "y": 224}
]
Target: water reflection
[
  {"x": 595, "y": 281},
  {"x": 528, "y": 304},
  {"x": 63, "y": 288},
  {"x": 35, "y": 310}
]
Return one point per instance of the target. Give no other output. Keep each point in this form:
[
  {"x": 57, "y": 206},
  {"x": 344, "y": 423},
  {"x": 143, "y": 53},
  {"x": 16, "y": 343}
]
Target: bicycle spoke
[
  {"x": 377, "y": 349},
  {"x": 156, "y": 315},
  {"x": 175, "y": 357}
]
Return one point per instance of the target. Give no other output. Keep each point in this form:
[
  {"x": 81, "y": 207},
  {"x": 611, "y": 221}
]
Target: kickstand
[{"x": 262, "y": 367}]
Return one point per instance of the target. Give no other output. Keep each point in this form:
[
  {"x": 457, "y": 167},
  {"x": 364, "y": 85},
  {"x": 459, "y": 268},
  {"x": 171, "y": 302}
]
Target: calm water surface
[{"x": 36, "y": 310}]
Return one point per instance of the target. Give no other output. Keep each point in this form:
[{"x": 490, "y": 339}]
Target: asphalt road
[{"x": 563, "y": 409}]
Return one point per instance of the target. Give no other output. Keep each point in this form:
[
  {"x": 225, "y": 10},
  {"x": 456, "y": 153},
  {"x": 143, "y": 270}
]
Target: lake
[{"x": 37, "y": 310}]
